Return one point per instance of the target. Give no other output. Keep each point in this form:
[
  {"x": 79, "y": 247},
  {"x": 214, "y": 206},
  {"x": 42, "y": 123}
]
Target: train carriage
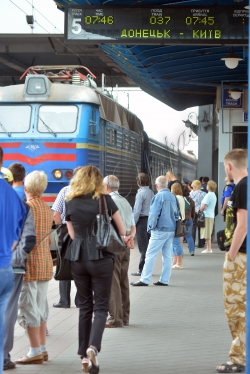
[{"x": 58, "y": 120}]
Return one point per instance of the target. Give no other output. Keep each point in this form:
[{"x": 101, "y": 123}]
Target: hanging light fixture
[
  {"x": 236, "y": 93},
  {"x": 231, "y": 60}
]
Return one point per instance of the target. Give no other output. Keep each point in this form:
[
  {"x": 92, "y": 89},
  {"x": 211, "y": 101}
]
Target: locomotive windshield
[
  {"x": 57, "y": 118},
  {"x": 14, "y": 118}
]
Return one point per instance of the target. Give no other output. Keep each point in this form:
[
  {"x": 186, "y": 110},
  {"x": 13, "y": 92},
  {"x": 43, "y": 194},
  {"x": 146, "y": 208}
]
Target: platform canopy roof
[{"x": 180, "y": 76}]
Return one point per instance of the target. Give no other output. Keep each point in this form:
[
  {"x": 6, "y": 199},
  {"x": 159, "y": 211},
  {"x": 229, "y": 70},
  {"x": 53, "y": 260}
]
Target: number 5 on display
[{"x": 76, "y": 26}]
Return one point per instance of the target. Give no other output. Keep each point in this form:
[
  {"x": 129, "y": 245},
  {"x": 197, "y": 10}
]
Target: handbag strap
[
  {"x": 105, "y": 207},
  {"x": 178, "y": 206}
]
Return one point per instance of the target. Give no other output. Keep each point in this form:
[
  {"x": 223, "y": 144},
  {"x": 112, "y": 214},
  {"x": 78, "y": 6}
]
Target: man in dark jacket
[{"x": 19, "y": 256}]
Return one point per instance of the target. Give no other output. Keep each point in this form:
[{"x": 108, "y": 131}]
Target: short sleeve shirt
[
  {"x": 238, "y": 200},
  {"x": 210, "y": 201},
  {"x": 228, "y": 189},
  {"x": 59, "y": 203},
  {"x": 82, "y": 211}
]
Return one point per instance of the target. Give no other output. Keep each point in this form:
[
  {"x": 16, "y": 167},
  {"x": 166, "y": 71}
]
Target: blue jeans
[
  {"x": 177, "y": 248},
  {"x": 6, "y": 276},
  {"x": 159, "y": 241},
  {"x": 189, "y": 237}
]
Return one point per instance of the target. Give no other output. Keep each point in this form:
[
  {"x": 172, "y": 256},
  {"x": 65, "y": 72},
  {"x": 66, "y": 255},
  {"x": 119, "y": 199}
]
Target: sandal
[
  {"x": 93, "y": 367},
  {"x": 85, "y": 364},
  {"x": 231, "y": 368}
]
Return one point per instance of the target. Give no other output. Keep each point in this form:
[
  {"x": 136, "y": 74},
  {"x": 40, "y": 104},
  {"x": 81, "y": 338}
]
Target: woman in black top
[{"x": 91, "y": 269}]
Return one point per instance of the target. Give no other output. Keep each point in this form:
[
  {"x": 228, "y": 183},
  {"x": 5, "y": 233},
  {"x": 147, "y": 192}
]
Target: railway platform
[{"x": 177, "y": 329}]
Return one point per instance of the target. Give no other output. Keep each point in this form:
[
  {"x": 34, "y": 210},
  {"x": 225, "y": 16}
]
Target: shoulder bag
[
  {"x": 200, "y": 219},
  {"x": 63, "y": 265},
  {"x": 108, "y": 239},
  {"x": 181, "y": 228}
]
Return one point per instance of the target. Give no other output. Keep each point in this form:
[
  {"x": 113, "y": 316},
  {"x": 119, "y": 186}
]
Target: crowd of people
[{"x": 101, "y": 278}]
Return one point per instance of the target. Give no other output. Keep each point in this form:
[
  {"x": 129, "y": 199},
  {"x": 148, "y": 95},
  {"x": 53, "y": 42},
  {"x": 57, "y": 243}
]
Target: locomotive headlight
[
  {"x": 36, "y": 87},
  {"x": 57, "y": 174}
]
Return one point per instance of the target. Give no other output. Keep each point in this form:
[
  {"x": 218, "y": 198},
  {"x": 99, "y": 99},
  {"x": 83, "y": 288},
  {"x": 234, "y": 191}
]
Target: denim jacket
[{"x": 163, "y": 212}]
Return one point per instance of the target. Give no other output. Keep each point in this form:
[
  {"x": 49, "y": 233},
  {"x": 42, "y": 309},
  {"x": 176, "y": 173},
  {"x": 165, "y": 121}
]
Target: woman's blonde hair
[
  {"x": 176, "y": 189},
  {"x": 36, "y": 183},
  {"x": 88, "y": 179},
  {"x": 211, "y": 186},
  {"x": 196, "y": 183}
]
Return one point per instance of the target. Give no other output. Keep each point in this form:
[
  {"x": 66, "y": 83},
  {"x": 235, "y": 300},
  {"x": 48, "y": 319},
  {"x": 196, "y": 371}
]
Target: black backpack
[{"x": 221, "y": 238}]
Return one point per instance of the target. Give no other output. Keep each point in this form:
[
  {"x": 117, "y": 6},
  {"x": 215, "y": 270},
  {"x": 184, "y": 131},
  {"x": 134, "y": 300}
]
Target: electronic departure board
[{"x": 157, "y": 24}]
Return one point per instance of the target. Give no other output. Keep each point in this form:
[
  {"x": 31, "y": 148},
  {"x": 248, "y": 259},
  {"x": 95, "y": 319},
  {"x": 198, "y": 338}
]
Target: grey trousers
[
  {"x": 119, "y": 303},
  {"x": 11, "y": 316}
]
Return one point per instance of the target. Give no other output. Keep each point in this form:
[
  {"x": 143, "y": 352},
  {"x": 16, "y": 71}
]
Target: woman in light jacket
[{"x": 176, "y": 189}]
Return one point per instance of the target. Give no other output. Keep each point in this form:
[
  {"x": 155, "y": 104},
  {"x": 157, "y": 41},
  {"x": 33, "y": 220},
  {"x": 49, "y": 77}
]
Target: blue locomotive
[{"x": 58, "y": 120}]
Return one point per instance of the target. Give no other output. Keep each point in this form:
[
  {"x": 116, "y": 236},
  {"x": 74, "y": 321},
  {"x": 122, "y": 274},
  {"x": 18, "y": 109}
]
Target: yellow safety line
[{"x": 96, "y": 147}]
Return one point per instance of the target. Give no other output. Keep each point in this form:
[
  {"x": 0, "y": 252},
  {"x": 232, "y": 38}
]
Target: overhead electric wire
[
  {"x": 43, "y": 17},
  {"x": 54, "y": 37}
]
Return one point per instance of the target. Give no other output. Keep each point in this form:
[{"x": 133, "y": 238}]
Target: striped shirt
[{"x": 39, "y": 264}]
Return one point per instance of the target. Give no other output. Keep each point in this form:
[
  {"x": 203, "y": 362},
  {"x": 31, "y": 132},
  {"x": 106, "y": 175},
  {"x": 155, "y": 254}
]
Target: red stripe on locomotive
[
  {"x": 59, "y": 145},
  {"x": 10, "y": 145},
  {"x": 48, "y": 199},
  {"x": 39, "y": 159}
]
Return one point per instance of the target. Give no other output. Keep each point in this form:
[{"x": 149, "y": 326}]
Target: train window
[
  {"x": 95, "y": 122},
  {"x": 14, "y": 118},
  {"x": 110, "y": 136},
  {"x": 124, "y": 141},
  {"x": 136, "y": 144},
  {"x": 57, "y": 118},
  {"x": 129, "y": 142}
]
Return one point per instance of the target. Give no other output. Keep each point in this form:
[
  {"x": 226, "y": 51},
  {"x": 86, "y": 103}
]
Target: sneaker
[
  {"x": 8, "y": 365},
  {"x": 207, "y": 251},
  {"x": 177, "y": 267}
]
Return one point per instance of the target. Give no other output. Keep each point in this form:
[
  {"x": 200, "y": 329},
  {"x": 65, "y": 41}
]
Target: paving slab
[{"x": 176, "y": 329}]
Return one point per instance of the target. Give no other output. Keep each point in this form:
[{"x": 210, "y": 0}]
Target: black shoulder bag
[
  {"x": 200, "y": 219},
  {"x": 108, "y": 239}
]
